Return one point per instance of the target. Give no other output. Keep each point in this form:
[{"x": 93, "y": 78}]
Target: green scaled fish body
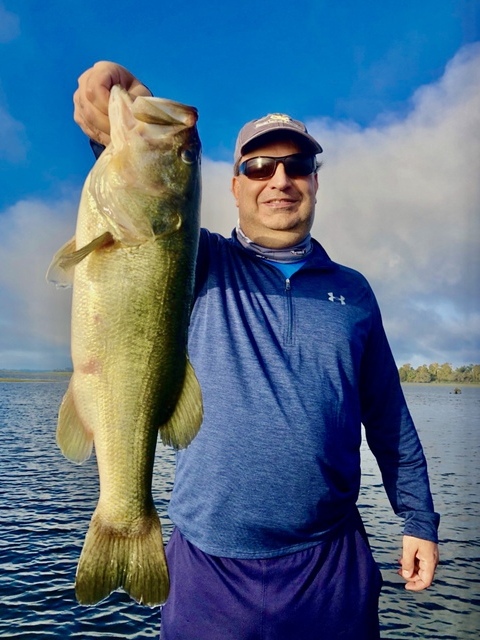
[{"x": 132, "y": 260}]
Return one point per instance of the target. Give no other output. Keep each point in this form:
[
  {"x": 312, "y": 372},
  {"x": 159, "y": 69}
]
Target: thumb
[
  {"x": 138, "y": 89},
  {"x": 407, "y": 571},
  {"x": 407, "y": 561}
]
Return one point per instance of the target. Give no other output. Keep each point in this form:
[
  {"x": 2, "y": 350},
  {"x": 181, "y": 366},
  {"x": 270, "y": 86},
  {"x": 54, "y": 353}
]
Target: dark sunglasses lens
[
  {"x": 296, "y": 166},
  {"x": 259, "y": 168}
]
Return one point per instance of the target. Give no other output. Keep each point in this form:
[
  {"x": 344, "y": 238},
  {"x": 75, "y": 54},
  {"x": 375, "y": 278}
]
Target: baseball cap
[{"x": 273, "y": 122}]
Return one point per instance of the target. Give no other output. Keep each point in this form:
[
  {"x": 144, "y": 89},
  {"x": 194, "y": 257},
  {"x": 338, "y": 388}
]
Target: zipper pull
[{"x": 287, "y": 284}]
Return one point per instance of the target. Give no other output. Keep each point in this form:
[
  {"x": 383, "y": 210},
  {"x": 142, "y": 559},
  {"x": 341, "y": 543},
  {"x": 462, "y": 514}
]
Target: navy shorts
[{"x": 326, "y": 592}]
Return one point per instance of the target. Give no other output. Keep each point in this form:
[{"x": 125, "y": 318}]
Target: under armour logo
[{"x": 332, "y": 298}]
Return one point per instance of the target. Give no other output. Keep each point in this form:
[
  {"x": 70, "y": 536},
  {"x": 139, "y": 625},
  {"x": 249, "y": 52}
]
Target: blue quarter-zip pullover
[{"x": 290, "y": 369}]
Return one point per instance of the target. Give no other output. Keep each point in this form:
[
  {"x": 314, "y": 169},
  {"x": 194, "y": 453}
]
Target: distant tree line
[{"x": 466, "y": 374}]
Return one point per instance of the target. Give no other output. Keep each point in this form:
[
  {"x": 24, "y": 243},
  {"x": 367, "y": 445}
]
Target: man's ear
[{"x": 235, "y": 188}]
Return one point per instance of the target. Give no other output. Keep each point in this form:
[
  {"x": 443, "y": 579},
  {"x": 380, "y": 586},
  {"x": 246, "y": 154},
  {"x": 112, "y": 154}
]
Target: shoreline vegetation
[
  {"x": 425, "y": 374},
  {"x": 440, "y": 374},
  {"x": 27, "y": 375}
]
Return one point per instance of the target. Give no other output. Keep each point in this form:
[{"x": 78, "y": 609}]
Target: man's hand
[
  {"x": 419, "y": 561},
  {"x": 93, "y": 93}
]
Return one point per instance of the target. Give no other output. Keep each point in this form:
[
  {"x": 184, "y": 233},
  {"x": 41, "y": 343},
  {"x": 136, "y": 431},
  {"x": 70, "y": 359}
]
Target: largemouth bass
[{"x": 132, "y": 262}]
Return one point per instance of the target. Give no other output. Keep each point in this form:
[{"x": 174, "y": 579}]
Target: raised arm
[{"x": 91, "y": 98}]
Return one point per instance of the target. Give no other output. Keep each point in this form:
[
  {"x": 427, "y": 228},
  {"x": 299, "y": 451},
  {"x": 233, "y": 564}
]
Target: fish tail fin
[
  {"x": 187, "y": 417},
  {"x": 133, "y": 560}
]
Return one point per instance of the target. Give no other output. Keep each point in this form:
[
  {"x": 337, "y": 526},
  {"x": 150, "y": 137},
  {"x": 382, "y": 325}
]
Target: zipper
[{"x": 289, "y": 325}]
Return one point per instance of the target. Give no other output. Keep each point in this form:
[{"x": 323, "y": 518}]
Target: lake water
[{"x": 46, "y": 503}]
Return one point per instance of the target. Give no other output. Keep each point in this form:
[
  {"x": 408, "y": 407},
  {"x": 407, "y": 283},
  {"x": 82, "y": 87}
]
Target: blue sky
[{"x": 391, "y": 89}]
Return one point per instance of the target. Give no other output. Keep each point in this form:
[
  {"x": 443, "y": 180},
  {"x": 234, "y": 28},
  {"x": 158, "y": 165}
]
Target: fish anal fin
[
  {"x": 73, "y": 438},
  {"x": 66, "y": 259},
  {"x": 187, "y": 417},
  {"x": 132, "y": 559}
]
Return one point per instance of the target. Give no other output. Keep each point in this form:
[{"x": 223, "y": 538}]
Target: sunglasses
[{"x": 263, "y": 167}]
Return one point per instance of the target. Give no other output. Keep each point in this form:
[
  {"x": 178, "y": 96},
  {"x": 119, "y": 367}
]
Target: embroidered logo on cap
[{"x": 273, "y": 118}]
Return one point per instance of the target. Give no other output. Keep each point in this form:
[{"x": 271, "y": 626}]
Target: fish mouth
[{"x": 162, "y": 111}]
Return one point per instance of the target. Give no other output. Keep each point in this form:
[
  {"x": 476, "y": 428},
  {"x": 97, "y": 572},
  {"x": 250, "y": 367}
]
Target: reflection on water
[{"x": 46, "y": 503}]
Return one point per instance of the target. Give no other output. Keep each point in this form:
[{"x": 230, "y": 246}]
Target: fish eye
[{"x": 188, "y": 156}]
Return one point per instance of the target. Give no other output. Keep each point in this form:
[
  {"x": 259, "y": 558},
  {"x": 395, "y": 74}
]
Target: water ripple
[{"x": 46, "y": 504}]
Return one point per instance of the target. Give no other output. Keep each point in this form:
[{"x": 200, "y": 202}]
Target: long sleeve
[{"x": 393, "y": 439}]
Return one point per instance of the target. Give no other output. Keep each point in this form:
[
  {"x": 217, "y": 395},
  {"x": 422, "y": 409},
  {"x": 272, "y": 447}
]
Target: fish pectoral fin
[
  {"x": 55, "y": 274},
  {"x": 66, "y": 259},
  {"x": 132, "y": 559},
  {"x": 187, "y": 417},
  {"x": 74, "y": 440}
]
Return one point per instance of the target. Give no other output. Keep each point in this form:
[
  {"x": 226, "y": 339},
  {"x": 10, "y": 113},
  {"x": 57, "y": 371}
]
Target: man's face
[{"x": 279, "y": 211}]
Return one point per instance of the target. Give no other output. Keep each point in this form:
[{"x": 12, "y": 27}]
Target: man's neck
[{"x": 288, "y": 254}]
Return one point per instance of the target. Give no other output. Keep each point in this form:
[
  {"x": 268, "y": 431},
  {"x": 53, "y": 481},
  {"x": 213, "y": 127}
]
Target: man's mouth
[{"x": 279, "y": 202}]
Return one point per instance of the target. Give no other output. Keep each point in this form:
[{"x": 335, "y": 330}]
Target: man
[{"x": 291, "y": 356}]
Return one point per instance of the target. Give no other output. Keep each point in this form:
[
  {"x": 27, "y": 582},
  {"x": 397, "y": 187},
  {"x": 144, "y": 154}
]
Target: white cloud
[
  {"x": 9, "y": 25},
  {"x": 219, "y": 212},
  {"x": 33, "y": 315}
]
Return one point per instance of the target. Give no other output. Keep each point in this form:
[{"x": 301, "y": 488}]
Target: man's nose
[{"x": 280, "y": 179}]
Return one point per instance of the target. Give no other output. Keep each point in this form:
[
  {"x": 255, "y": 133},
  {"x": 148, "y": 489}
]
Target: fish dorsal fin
[
  {"x": 60, "y": 271},
  {"x": 73, "y": 438},
  {"x": 187, "y": 417}
]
